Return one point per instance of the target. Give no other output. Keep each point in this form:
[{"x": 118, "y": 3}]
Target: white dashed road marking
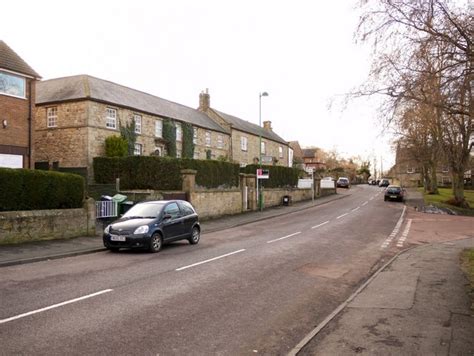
[
  {"x": 324, "y": 223},
  {"x": 365, "y": 203},
  {"x": 341, "y": 216},
  {"x": 284, "y": 237},
  {"x": 210, "y": 260},
  {"x": 355, "y": 209},
  {"x": 55, "y": 306},
  {"x": 404, "y": 236},
  {"x": 394, "y": 233}
]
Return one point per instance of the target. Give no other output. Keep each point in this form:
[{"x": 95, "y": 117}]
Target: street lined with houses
[{"x": 232, "y": 285}]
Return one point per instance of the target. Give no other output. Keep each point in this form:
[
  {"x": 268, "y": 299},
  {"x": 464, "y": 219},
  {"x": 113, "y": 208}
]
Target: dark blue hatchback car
[{"x": 150, "y": 224}]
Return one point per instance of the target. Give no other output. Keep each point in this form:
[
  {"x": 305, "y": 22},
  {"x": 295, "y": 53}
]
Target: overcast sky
[{"x": 301, "y": 52}]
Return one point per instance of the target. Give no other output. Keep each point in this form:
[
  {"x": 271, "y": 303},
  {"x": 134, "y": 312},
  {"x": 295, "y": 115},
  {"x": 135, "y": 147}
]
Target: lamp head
[{"x": 263, "y": 94}]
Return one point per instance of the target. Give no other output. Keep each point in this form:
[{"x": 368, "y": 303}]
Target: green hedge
[
  {"x": 24, "y": 189},
  {"x": 163, "y": 173},
  {"x": 280, "y": 177}
]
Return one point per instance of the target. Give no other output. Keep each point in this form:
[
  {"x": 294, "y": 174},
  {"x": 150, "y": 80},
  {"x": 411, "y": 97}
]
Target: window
[
  {"x": 179, "y": 132},
  {"x": 186, "y": 208},
  {"x": 262, "y": 147},
  {"x": 243, "y": 143},
  {"x": 196, "y": 154},
  {"x": 220, "y": 141},
  {"x": 157, "y": 151},
  {"x": 445, "y": 169},
  {"x": 138, "y": 123},
  {"x": 178, "y": 153},
  {"x": 280, "y": 151},
  {"x": 195, "y": 135},
  {"x": 173, "y": 210},
  {"x": 52, "y": 116},
  {"x": 158, "y": 128},
  {"x": 12, "y": 85},
  {"x": 138, "y": 149},
  {"x": 111, "y": 118},
  {"x": 410, "y": 170},
  {"x": 208, "y": 138}
]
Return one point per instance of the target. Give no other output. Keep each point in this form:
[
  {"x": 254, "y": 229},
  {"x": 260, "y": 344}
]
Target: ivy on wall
[
  {"x": 128, "y": 133},
  {"x": 116, "y": 146},
  {"x": 188, "y": 144},
  {"x": 169, "y": 135}
]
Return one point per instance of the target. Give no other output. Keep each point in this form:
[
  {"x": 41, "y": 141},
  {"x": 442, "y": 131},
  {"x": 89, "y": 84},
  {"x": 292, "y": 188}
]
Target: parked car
[
  {"x": 384, "y": 183},
  {"x": 149, "y": 225},
  {"x": 343, "y": 182},
  {"x": 394, "y": 192}
]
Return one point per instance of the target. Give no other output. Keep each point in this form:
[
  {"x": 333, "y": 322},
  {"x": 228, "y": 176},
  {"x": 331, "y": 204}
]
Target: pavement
[{"x": 416, "y": 304}]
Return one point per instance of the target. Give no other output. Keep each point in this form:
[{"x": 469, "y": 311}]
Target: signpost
[{"x": 261, "y": 174}]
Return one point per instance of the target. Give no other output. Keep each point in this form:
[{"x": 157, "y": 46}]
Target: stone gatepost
[
  {"x": 317, "y": 187},
  {"x": 251, "y": 180},
  {"x": 189, "y": 181}
]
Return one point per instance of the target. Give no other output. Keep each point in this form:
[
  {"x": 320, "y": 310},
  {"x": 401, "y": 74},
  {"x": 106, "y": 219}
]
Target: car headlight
[
  {"x": 141, "y": 230},
  {"x": 107, "y": 229}
]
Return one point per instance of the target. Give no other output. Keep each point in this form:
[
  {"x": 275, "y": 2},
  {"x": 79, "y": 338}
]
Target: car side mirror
[{"x": 167, "y": 216}]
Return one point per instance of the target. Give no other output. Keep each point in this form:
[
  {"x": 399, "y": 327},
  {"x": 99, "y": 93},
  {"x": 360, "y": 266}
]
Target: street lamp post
[{"x": 259, "y": 191}]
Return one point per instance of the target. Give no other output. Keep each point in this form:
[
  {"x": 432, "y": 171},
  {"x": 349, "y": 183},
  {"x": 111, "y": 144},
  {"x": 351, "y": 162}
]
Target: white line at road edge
[
  {"x": 55, "y": 306},
  {"x": 341, "y": 216},
  {"x": 284, "y": 237},
  {"x": 324, "y": 223},
  {"x": 209, "y": 260}
]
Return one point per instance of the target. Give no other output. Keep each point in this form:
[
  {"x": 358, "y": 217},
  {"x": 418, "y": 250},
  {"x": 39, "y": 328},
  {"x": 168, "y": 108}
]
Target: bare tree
[{"x": 423, "y": 61}]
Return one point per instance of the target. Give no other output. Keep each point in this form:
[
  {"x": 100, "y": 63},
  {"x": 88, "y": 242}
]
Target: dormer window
[{"x": 12, "y": 85}]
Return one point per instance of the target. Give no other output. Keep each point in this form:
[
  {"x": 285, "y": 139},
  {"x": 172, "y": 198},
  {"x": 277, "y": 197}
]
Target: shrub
[
  {"x": 24, "y": 189},
  {"x": 116, "y": 146},
  {"x": 169, "y": 135},
  {"x": 280, "y": 177},
  {"x": 188, "y": 143}
]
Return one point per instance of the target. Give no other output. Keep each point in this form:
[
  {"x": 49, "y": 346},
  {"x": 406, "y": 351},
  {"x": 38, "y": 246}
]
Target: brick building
[
  {"x": 17, "y": 91},
  {"x": 74, "y": 115},
  {"x": 245, "y": 143}
]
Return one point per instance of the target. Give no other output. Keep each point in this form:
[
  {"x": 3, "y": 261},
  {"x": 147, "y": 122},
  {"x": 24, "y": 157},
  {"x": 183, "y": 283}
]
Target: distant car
[
  {"x": 394, "y": 192},
  {"x": 343, "y": 182},
  {"x": 149, "y": 225},
  {"x": 384, "y": 183}
]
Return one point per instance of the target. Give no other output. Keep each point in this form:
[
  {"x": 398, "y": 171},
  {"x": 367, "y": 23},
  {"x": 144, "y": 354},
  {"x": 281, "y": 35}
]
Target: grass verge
[
  {"x": 467, "y": 265},
  {"x": 445, "y": 194}
]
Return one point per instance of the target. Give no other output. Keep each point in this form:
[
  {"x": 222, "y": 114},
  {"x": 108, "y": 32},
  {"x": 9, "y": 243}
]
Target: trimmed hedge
[
  {"x": 163, "y": 173},
  {"x": 280, "y": 177},
  {"x": 24, "y": 189}
]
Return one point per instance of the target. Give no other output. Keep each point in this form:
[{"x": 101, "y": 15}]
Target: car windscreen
[
  {"x": 394, "y": 190},
  {"x": 147, "y": 210}
]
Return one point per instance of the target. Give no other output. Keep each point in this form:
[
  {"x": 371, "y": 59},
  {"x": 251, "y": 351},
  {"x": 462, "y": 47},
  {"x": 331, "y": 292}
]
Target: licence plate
[
  {"x": 393, "y": 196},
  {"x": 117, "y": 238}
]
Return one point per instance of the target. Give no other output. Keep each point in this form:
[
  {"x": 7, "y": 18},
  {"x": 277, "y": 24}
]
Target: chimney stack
[
  {"x": 204, "y": 100},
  {"x": 267, "y": 125}
]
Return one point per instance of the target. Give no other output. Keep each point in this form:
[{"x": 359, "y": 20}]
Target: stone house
[
  {"x": 17, "y": 92},
  {"x": 312, "y": 158},
  {"x": 245, "y": 142},
  {"x": 74, "y": 115},
  {"x": 297, "y": 154}
]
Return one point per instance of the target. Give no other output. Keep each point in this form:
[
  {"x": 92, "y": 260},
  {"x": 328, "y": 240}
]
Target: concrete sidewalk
[{"x": 52, "y": 249}]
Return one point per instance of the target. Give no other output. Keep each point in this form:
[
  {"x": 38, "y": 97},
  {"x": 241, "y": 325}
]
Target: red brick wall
[{"x": 16, "y": 112}]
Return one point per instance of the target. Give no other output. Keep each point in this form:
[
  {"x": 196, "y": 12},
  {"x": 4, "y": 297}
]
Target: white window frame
[
  {"x": 179, "y": 132},
  {"x": 195, "y": 135},
  {"x": 138, "y": 123},
  {"x": 52, "y": 116},
  {"x": 243, "y": 143},
  {"x": 445, "y": 169},
  {"x": 159, "y": 128},
  {"x": 220, "y": 141},
  {"x": 410, "y": 170},
  {"x": 9, "y": 80},
  {"x": 111, "y": 118},
  {"x": 280, "y": 151},
  {"x": 208, "y": 138},
  {"x": 263, "y": 147},
  {"x": 138, "y": 149}
]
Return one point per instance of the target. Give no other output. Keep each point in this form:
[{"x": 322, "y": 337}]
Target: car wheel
[
  {"x": 156, "y": 242},
  {"x": 195, "y": 236}
]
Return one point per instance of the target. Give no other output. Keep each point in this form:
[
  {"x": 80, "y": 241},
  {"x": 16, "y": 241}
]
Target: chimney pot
[
  {"x": 204, "y": 100},
  {"x": 267, "y": 125}
]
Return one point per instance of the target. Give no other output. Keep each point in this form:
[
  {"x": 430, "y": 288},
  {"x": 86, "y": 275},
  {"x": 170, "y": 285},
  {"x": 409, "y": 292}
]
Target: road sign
[{"x": 263, "y": 173}]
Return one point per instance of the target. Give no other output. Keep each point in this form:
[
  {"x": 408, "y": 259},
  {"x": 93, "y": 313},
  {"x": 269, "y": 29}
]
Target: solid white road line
[
  {"x": 284, "y": 237},
  {"x": 341, "y": 216},
  {"x": 55, "y": 306},
  {"x": 324, "y": 223},
  {"x": 209, "y": 260}
]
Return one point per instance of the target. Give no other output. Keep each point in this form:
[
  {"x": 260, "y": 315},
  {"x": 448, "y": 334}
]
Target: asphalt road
[{"x": 255, "y": 289}]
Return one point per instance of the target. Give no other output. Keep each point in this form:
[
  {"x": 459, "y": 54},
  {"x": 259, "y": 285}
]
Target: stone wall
[
  {"x": 20, "y": 226},
  {"x": 274, "y": 196},
  {"x": 213, "y": 203}
]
